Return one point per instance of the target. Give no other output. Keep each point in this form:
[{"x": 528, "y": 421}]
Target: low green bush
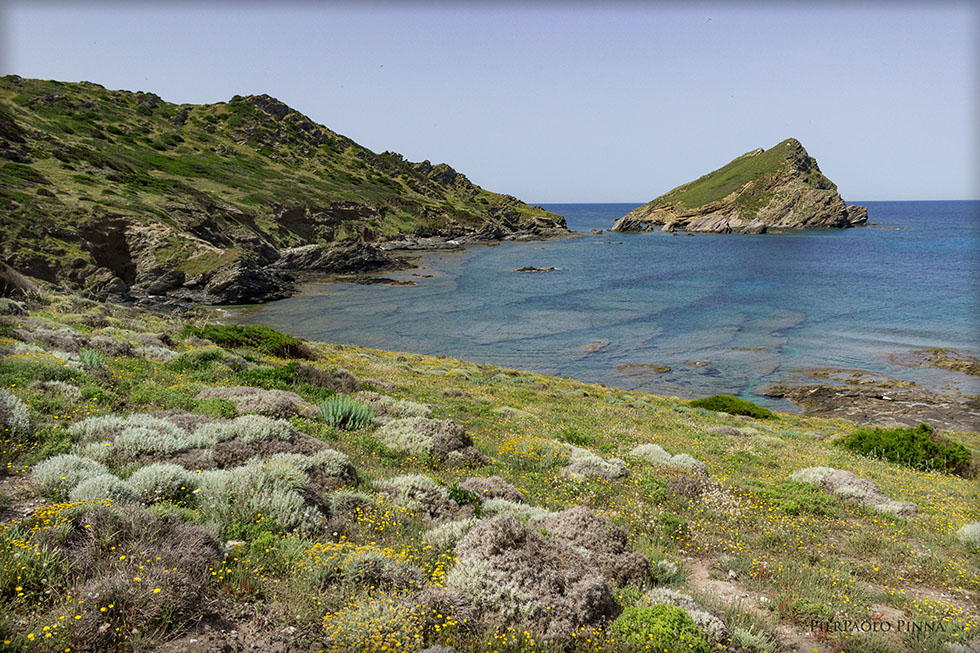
[
  {"x": 345, "y": 413},
  {"x": 251, "y": 336},
  {"x": 733, "y": 406},
  {"x": 919, "y": 448},
  {"x": 658, "y": 628},
  {"x": 672, "y": 525}
]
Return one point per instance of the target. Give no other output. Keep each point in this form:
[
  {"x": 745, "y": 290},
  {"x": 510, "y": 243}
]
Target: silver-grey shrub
[
  {"x": 247, "y": 428},
  {"x": 15, "y": 420},
  {"x": 105, "y": 486},
  {"x": 56, "y": 477},
  {"x": 164, "y": 482},
  {"x": 247, "y": 493}
]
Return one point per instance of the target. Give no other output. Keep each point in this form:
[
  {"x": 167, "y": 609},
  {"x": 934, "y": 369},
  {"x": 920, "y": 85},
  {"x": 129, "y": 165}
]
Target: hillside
[
  {"x": 188, "y": 486},
  {"x": 124, "y": 195},
  {"x": 779, "y": 188}
]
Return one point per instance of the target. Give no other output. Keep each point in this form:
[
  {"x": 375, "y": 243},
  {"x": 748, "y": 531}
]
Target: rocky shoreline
[
  {"x": 874, "y": 399},
  {"x": 279, "y": 274}
]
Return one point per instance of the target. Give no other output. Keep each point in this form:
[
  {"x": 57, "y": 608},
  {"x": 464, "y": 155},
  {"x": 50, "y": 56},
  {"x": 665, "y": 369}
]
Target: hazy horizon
[{"x": 560, "y": 103}]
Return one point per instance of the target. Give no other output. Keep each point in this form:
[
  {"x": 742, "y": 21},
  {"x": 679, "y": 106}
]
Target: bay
[{"x": 726, "y": 313}]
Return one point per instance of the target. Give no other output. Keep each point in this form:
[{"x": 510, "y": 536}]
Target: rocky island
[
  {"x": 776, "y": 189},
  {"x": 124, "y": 196}
]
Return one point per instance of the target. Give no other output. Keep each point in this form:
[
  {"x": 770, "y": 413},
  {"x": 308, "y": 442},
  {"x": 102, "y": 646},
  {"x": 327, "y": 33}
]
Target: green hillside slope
[{"x": 112, "y": 192}]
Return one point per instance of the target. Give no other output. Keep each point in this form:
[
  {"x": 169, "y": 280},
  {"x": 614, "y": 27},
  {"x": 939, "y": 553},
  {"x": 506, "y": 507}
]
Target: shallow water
[{"x": 750, "y": 310}]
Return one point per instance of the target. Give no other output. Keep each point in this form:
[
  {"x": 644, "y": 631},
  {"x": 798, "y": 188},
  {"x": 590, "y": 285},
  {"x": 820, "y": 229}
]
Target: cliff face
[
  {"x": 779, "y": 188},
  {"x": 123, "y": 195}
]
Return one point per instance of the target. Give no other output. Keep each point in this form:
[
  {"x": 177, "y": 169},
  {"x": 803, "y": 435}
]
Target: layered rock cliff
[
  {"x": 122, "y": 195},
  {"x": 776, "y": 189}
]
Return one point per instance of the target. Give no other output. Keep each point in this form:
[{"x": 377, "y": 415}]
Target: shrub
[
  {"x": 404, "y": 436},
  {"x": 92, "y": 358},
  {"x": 201, "y": 359},
  {"x": 522, "y": 511},
  {"x": 920, "y": 448},
  {"x": 970, "y": 534},
  {"x": 445, "y": 536},
  {"x": 345, "y": 413},
  {"x": 657, "y": 455},
  {"x": 733, "y": 406},
  {"x": 659, "y": 628},
  {"x": 672, "y": 525},
  {"x": 383, "y": 624},
  {"x": 104, "y": 486},
  {"x": 163, "y": 482},
  {"x": 666, "y": 572},
  {"x": 247, "y": 428},
  {"x": 512, "y": 576},
  {"x": 251, "y": 336},
  {"x": 15, "y": 421},
  {"x": 492, "y": 487},
  {"x": 60, "y": 475},
  {"x": 245, "y": 494}
]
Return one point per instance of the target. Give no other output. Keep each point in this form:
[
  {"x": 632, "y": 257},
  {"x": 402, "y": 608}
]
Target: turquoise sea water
[{"x": 727, "y": 313}]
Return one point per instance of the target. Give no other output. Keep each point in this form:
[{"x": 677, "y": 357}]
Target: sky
[{"x": 562, "y": 101}]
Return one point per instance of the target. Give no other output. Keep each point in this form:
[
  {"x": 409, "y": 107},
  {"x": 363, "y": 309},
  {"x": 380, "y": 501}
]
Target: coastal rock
[
  {"x": 531, "y": 268},
  {"x": 883, "y": 406},
  {"x": 246, "y": 283},
  {"x": 781, "y": 188},
  {"x": 850, "y": 487},
  {"x": 354, "y": 258}
]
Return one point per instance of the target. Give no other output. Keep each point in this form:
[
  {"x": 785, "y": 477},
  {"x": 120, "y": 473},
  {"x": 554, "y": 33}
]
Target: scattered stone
[
  {"x": 531, "y": 268},
  {"x": 853, "y": 488},
  {"x": 642, "y": 368}
]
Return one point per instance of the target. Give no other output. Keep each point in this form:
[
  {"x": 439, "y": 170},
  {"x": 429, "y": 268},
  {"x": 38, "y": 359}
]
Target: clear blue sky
[{"x": 561, "y": 102}]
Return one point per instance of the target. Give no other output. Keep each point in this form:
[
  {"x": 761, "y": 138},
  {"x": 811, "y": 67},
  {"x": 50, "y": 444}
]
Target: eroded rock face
[
  {"x": 883, "y": 406},
  {"x": 777, "y": 189}
]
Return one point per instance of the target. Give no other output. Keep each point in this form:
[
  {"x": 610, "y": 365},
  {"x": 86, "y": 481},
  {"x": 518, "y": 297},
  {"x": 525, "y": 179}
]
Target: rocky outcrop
[
  {"x": 764, "y": 190},
  {"x": 883, "y": 406}
]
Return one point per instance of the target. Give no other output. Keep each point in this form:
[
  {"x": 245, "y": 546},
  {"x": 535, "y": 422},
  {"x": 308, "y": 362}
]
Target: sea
[{"x": 678, "y": 314}]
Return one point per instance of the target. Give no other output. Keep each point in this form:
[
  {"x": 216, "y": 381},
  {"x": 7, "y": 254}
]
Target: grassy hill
[
  {"x": 405, "y": 501},
  {"x": 105, "y": 190},
  {"x": 781, "y": 187}
]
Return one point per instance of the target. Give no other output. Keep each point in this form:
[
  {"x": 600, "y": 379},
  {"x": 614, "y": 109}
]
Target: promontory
[
  {"x": 780, "y": 188},
  {"x": 121, "y": 195}
]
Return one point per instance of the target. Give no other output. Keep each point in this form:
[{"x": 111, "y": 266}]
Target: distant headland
[{"x": 776, "y": 189}]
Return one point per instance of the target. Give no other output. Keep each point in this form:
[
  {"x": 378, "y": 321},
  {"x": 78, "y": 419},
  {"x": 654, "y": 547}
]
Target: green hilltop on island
[
  {"x": 123, "y": 195},
  {"x": 776, "y": 189}
]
